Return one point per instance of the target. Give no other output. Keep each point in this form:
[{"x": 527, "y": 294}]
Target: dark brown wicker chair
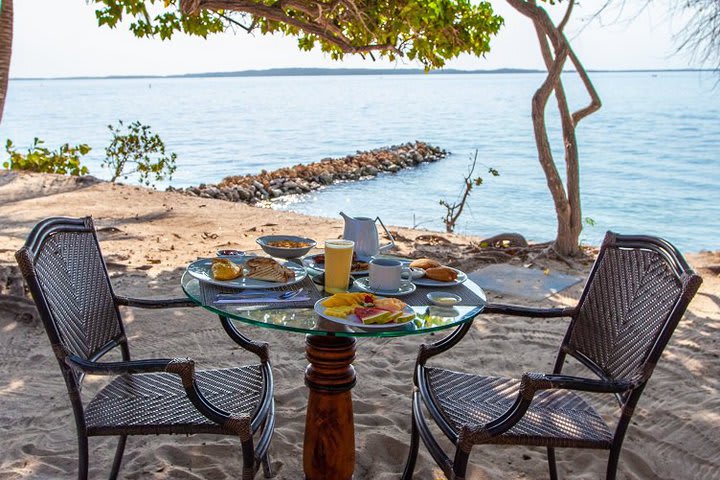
[
  {"x": 636, "y": 294},
  {"x": 64, "y": 269}
]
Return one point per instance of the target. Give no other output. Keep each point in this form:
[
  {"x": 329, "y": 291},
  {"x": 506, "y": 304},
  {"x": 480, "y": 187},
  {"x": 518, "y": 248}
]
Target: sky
[{"x": 61, "y": 38}]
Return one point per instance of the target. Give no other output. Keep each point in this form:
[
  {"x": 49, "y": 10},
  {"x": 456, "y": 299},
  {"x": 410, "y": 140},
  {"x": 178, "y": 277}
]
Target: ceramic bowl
[
  {"x": 230, "y": 253},
  {"x": 443, "y": 299},
  {"x": 281, "y": 252}
]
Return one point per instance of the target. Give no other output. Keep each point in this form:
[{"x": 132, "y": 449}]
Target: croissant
[
  {"x": 441, "y": 274},
  {"x": 424, "y": 263},
  {"x": 224, "y": 269}
]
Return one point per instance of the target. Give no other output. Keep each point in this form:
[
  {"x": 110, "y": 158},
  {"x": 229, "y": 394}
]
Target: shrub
[
  {"x": 138, "y": 151},
  {"x": 66, "y": 160}
]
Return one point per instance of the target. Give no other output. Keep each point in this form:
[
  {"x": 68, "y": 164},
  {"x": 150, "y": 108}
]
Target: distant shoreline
[{"x": 327, "y": 72}]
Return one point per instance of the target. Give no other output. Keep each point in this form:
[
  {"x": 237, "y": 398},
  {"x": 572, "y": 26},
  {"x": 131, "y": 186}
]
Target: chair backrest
[
  {"x": 63, "y": 267},
  {"x": 636, "y": 293}
]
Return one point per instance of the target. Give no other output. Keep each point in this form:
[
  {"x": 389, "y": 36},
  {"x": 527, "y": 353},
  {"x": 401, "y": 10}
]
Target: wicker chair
[
  {"x": 62, "y": 264},
  {"x": 636, "y": 294}
]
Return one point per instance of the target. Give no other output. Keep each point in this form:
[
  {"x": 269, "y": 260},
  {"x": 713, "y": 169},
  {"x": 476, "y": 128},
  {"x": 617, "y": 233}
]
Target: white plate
[
  {"x": 201, "y": 270},
  {"x": 353, "y": 321},
  {"x": 406, "y": 288},
  {"x": 429, "y": 282},
  {"x": 311, "y": 263}
]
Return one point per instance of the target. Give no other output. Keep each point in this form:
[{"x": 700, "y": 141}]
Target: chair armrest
[
  {"x": 529, "y": 385},
  {"x": 118, "y": 368},
  {"x": 533, "y": 382},
  {"x": 154, "y": 302},
  {"x": 183, "y": 367},
  {"x": 520, "y": 311}
]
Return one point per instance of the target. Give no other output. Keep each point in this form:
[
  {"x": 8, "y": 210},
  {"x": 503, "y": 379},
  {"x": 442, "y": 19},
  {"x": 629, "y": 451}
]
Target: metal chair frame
[
  {"x": 75, "y": 365},
  {"x": 627, "y": 391}
]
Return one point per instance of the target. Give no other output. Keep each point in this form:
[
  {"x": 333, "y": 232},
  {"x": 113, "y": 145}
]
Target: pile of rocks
[{"x": 305, "y": 178}]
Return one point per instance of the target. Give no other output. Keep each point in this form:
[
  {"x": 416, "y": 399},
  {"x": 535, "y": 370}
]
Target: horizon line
[{"x": 325, "y": 71}]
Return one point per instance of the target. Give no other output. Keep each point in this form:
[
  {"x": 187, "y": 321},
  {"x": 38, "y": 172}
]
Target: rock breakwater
[{"x": 306, "y": 178}]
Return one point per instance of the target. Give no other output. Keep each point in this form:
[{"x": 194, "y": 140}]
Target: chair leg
[
  {"x": 267, "y": 468},
  {"x": 412, "y": 454},
  {"x": 118, "y": 457},
  {"x": 459, "y": 467},
  {"x": 248, "y": 460},
  {"x": 551, "y": 463},
  {"x": 613, "y": 462},
  {"x": 82, "y": 456}
]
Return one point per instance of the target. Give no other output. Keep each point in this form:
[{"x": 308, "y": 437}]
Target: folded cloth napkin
[
  {"x": 310, "y": 295},
  {"x": 261, "y": 300}
]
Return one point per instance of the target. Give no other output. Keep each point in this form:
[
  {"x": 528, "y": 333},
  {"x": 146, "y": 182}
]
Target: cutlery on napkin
[{"x": 260, "y": 299}]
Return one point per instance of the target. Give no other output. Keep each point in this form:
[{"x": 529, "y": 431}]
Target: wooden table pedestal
[{"x": 329, "y": 447}]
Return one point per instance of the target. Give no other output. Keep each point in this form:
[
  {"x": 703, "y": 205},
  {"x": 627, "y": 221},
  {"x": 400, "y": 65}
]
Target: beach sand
[{"x": 148, "y": 237}]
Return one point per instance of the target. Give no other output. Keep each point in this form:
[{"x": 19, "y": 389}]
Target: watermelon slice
[{"x": 371, "y": 315}]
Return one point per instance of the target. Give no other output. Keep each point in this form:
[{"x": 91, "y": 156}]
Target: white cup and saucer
[{"x": 387, "y": 276}]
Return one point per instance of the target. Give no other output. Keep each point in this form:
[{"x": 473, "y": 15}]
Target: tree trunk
[
  {"x": 566, "y": 198},
  {"x": 6, "y": 35}
]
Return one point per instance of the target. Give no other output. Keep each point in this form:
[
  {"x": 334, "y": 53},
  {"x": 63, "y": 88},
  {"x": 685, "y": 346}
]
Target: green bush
[
  {"x": 66, "y": 160},
  {"x": 138, "y": 151}
]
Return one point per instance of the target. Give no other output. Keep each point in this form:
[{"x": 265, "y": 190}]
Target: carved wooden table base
[{"x": 329, "y": 447}]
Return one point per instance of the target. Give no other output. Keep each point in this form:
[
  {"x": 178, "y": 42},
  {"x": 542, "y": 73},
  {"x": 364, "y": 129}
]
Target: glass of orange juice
[{"x": 338, "y": 260}]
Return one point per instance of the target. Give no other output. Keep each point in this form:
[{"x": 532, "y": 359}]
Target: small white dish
[
  {"x": 444, "y": 299},
  {"x": 406, "y": 288},
  {"x": 417, "y": 273}
]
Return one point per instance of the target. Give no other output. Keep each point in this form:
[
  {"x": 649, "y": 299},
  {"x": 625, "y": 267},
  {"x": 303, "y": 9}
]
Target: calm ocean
[{"x": 650, "y": 158}]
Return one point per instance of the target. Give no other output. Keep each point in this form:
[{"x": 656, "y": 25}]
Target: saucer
[{"x": 406, "y": 288}]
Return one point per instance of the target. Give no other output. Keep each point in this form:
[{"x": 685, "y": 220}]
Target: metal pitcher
[{"x": 364, "y": 232}]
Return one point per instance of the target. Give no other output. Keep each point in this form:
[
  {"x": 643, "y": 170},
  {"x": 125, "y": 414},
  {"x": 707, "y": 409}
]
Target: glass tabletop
[{"x": 306, "y": 320}]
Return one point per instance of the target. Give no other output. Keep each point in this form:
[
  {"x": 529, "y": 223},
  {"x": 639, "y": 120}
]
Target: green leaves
[
  {"x": 430, "y": 31},
  {"x": 137, "y": 151},
  {"x": 164, "y": 22},
  {"x": 64, "y": 160}
]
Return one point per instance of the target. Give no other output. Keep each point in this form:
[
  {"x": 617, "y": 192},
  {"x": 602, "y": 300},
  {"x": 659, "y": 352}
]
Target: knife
[{"x": 260, "y": 299}]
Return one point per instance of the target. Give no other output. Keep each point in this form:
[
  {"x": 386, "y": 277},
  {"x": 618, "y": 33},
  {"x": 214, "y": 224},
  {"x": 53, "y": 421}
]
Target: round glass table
[{"x": 329, "y": 443}]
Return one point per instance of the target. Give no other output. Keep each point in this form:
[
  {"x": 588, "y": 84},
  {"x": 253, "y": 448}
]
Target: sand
[{"x": 148, "y": 237}]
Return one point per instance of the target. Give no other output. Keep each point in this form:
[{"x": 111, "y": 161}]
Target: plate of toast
[
  {"x": 436, "y": 274},
  {"x": 247, "y": 272}
]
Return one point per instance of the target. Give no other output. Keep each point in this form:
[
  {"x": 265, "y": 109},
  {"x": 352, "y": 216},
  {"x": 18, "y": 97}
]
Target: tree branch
[
  {"x": 566, "y": 18},
  {"x": 319, "y": 26},
  {"x": 595, "y": 102},
  {"x": 231, "y": 20}
]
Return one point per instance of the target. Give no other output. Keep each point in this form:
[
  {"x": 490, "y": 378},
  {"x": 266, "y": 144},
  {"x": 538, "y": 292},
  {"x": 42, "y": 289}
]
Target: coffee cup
[{"x": 387, "y": 274}]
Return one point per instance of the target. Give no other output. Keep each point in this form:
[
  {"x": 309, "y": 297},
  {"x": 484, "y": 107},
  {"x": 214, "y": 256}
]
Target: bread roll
[
  {"x": 424, "y": 263},
  {"x": 441, "y": 274}
]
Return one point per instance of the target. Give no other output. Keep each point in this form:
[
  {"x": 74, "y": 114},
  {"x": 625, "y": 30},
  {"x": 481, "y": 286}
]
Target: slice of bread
[{"x": 267, "y": 269}]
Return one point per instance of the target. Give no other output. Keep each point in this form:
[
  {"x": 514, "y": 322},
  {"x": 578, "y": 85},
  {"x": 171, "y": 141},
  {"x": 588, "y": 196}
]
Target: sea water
[{"x": 649, "y": 158}]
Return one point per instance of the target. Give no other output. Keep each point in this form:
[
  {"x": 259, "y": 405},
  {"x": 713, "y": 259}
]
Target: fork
[{"x": 252, "y": 295}]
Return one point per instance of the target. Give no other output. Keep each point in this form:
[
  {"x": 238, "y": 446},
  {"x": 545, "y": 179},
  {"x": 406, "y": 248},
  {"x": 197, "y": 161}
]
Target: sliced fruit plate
[{"x": 365, "y": 311}]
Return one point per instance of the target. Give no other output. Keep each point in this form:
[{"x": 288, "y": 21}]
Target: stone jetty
[{"x": 306, "y": 178}]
